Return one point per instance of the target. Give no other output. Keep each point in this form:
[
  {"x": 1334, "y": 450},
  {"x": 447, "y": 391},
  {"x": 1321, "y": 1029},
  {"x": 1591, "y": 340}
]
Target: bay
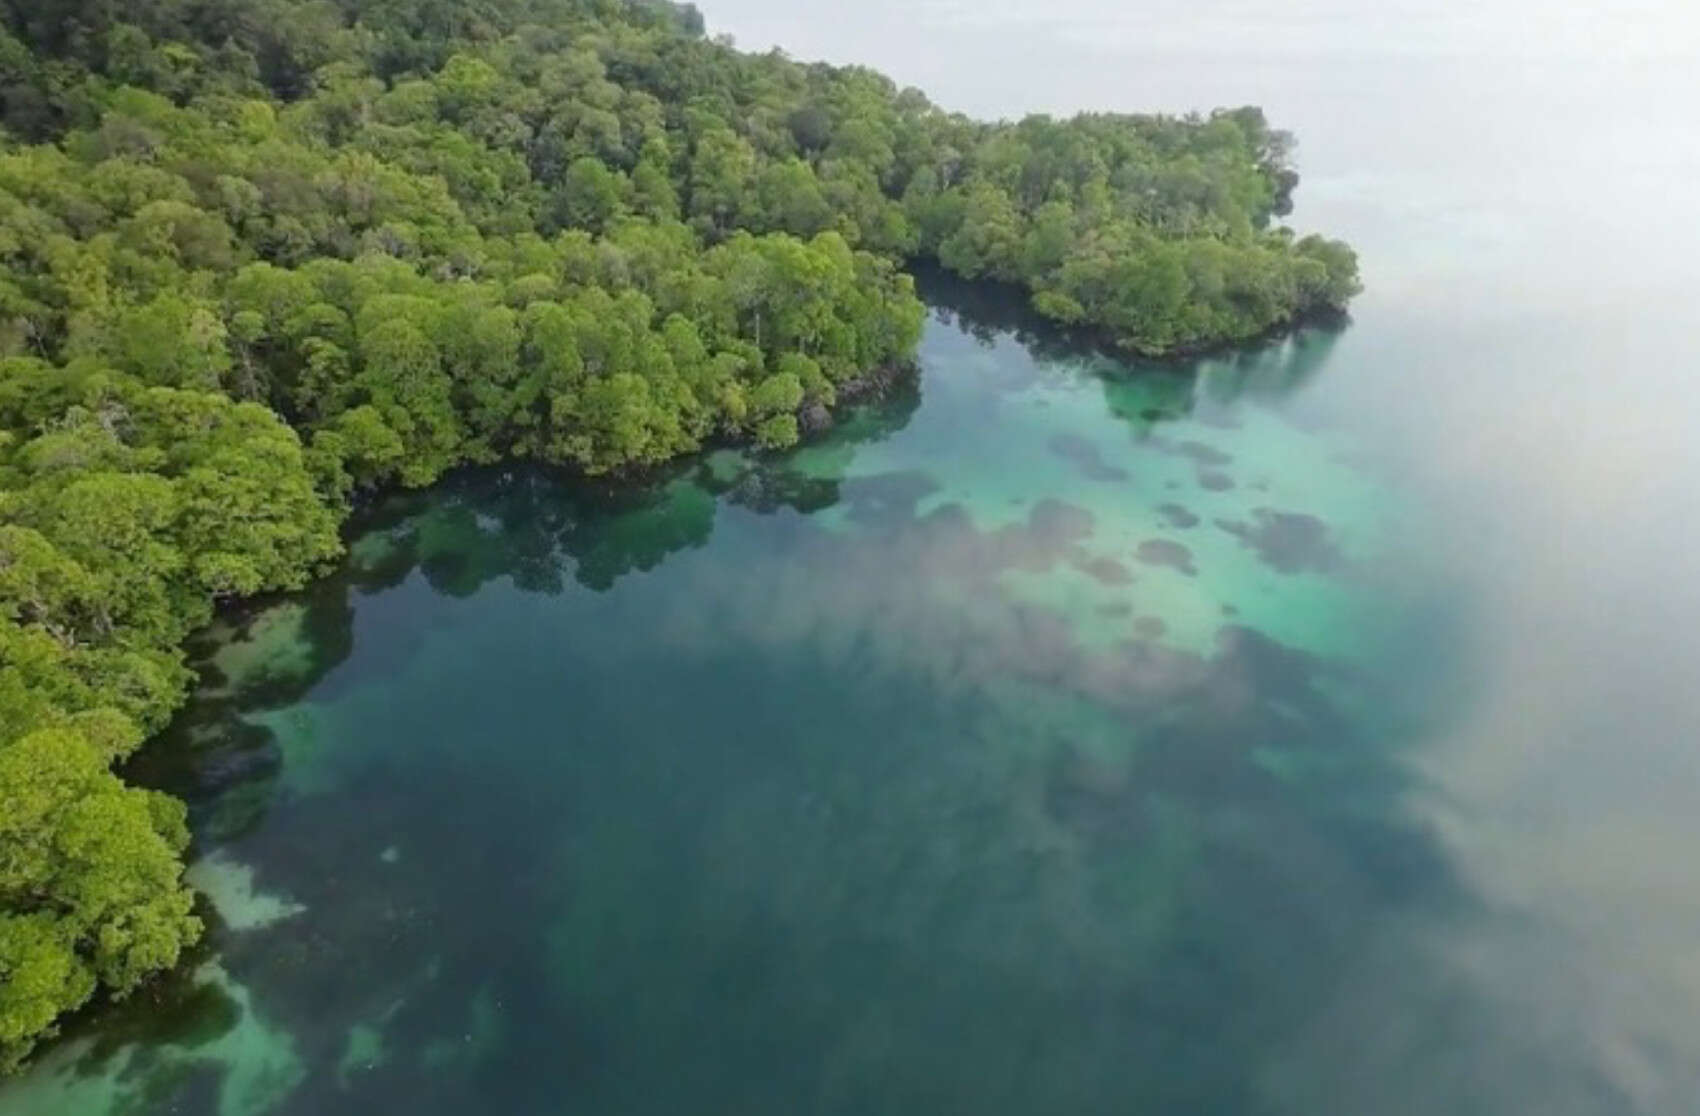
[{"x": 1302, "y": 730}]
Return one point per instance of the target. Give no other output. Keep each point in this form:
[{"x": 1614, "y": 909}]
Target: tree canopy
[{"x": 259, "y": 255}]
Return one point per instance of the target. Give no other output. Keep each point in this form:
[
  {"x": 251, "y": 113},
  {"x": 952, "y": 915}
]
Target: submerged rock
[
  {"x": 1167, "y": 552},
  {"x": 1177, "y": 516},
  {"x": 1287, "y": 541},
  {"x": 872, "y": 384},
  {"x": 814, "y": 418},
  {"x": 1105, "y": 571},
  {"x": 1150, "y": 627}
]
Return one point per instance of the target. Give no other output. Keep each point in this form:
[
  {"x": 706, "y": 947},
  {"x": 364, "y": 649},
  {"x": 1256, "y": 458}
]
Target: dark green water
[{"x": 1304, "y": 732}]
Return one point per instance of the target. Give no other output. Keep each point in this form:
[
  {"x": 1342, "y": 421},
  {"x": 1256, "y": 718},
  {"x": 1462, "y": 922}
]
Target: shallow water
[{"x": 1303, "y": 731}]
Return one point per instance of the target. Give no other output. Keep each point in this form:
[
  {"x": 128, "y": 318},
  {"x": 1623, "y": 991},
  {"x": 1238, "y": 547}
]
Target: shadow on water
[
  {"x": 967, "y": 860},
  {"x": 541, "y": 527},
  {"x": 1268, "y": 368}
]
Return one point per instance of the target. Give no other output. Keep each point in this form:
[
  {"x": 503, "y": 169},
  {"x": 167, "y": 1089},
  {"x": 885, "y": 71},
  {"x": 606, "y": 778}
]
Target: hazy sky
[{"x": 902, "y": 37}]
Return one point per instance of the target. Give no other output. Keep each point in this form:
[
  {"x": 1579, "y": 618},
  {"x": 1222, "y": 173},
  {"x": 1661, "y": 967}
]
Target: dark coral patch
[
  {"x": 1167, "y": 552},
  {"x": 1214, "y": 481},
  {"x": 947, "y": 539},
  {"x": 1287, "y": 541},
  {"x": 1084, "y": 456},
  {"x": 1176, "y": 516},
  {"x": 1105, "y": 571},
  {"x": 1149, "y": 627},
  {"x": 1115, "y": 609}
]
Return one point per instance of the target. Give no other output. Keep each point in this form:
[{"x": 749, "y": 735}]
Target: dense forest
[{"x": 257, "y": 256}]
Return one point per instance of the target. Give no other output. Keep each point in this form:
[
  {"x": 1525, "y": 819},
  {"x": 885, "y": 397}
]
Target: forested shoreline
[{"x": 259, "y": 256}]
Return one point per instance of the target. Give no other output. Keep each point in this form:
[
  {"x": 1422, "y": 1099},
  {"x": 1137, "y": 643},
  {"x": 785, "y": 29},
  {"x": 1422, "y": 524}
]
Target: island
[{"x": 260, "y": 258}]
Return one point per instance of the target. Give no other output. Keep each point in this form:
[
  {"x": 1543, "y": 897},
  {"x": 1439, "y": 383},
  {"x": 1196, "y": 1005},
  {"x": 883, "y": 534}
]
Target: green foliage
[
  {"x": 91, "y": 889},
  {"x": 777, "y": 431},
  {"x": 257, "y": 256}
]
